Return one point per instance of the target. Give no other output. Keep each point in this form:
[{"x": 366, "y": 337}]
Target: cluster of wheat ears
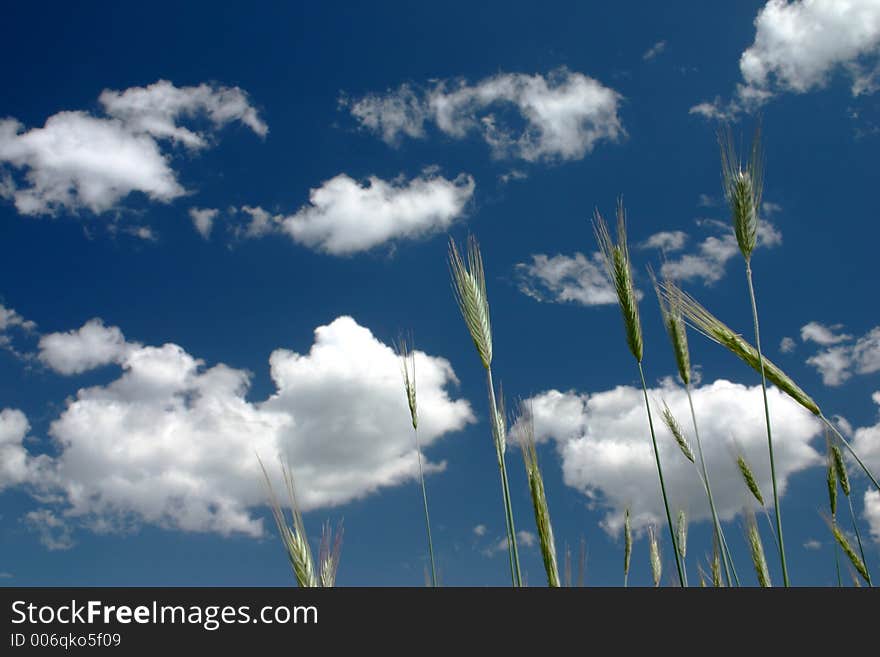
[{"x": 742, "y": 185}]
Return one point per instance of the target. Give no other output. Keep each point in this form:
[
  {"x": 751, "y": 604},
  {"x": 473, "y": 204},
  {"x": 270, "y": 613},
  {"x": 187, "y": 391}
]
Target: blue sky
[{"x": 216, "y": 220}]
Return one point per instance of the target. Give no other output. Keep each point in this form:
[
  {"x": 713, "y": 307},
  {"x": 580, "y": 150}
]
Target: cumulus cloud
[
  {"x": 843, "y": 355},
  {"x": 799, "y": 45},
  {"x": 345, "y": 216},
  {"x": 606, "y": 451},
  {"x": 203, "y": 220},
  {"x": 156, "y": 110},
  {"x": 480, "y": 530},
  {"x": 17, "y": 466},
  {"x": 565, "y": 113},
  {"x": 79, "y": 161},
  {"x": 563, "y": 279},
  {"x": 54, "y": 531},
  {"x": 709, "y": 262},
  {"x": 872, "y": 513},
  {"x": 823, "y": 335},
  {"x": 666, "y": 240},
  {"x": 172, "y": 442},
  {"x": 11, "y": 321},
  {"x": 92, "y": 345},
  {"x": 866, "y": 442}
]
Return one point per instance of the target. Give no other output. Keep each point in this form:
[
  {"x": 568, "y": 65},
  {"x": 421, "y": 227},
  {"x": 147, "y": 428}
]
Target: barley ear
[
  {"x": 408, "y": 370},
  {"x": 539, "y": 499},
  {"x": 670, "y": 310},
  {"x": 854, "y": 558},
  {"x": 743, "y": 189},
  {"x": 469, "y": 286},
  {"x": 619, "y": 269},
  {"x": 840, "y": 469},
  {"x": 749, "y": 478},
  {"x": 682, "y": 527},
  {"x": 713, "y": 328},
  {"x": 756, "y": 548},
  {"x": 677, "y": 432}
]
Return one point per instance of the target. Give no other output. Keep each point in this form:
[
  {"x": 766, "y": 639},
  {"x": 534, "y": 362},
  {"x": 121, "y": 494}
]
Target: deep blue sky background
[{"x": 235, "y": 303}]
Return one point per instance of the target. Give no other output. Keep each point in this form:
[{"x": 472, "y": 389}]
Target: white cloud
[
  {"x": 667, "y": 240},
  {"x": 872, "y": 512},
  {"x": 17, "y": 466},
  {"x": 345, "y": 216},
  {"x": 565, "y": 113},
  {"x": 10, "y": 318},
  {"x": 812, "y": 544},
  {"x": 55, "y": 532},
  {"x": 654, "y": 50},
  {"x": 203, "y": 220},
  {"x": 92, "y": 345},
  {"x": 798, "y": 46},
  {"x": 524, "y": 538},
  {"x": 172, "y": 442},
  {"x": 823, "y": 335},
  {"x": 563, "y": 279},
  {"x": 709, "y": 263},
  {"x": 787, "y": 345},
  {"x": 480, "y": 530},
  {"x": 842, "y": 356},
  {"x": 80, "y": 161},
  {"x": 606, "y": 450},
  {"x": 155, "y": 110}
]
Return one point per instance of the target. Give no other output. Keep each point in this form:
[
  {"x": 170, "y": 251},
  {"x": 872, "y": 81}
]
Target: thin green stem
[
  {"x": 837, "y": 561},
  {"x": 724, "y": 555},
  {"x": 732, "y": 566},
  {"x": 855, "y": 525},
  {"x": 776, "y": 508},
  {"x": 513, "y": 552},
  {"x": 427, "y": 517},
  {"x": 681, "y": 578},
  {"x": 846, "y": 444}
]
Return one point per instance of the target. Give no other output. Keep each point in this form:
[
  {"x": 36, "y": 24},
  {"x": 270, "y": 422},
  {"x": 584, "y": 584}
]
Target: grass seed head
[
  {"x": 756, "y": 548},
  {"x": 677, "y": 432},
  {"x": 670, "y": 310},
  {"x": 619, "y": 269},
  {"x": 627, "y": 541},
  {"x": 840, "y": 469},
  {"x": 408, "y": 369},
  {"x": 831, "y": 480},
  {"x": 539, "y": 499},
  {"x": 743, "y": 189},
  {"x": 714, "y": 329},
  {"x": 854, "y": 558},
  {"x": 749, "y": 477},
  {"x": 469, "y": 286}
]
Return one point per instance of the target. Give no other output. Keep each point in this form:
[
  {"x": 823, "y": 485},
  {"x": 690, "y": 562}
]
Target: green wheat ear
[
  {"x": 749, "y": 478},
  {"x": 619, "y": 268},
  {"x": 670, "y": 310},
  {"x": 677, "y": 432},
  {"x": 469, "y": 286},
  {"x": 627, "y": 545},
  {"x": 756, "y": 549},
  {"x": 743, "y": 189}
]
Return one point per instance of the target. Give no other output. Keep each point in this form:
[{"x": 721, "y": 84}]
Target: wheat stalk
[
  {"x": 294, "y": 538},
  {"x": 619, "y": 270},
  {"x": 408, "y": 370},
  {"x": 839, "y": 467},
  {"x": 469, "y": 288},
  {"x": 713, "y": 328},
  {"x": 673, "y": 320},
  {"x": 756, "y": 549},
  {"x": 539, "y": 499}
]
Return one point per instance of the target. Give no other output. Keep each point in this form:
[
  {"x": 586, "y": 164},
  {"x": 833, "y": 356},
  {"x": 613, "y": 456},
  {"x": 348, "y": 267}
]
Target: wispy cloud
[
  {"x": 843, "y": 355},
  {"x": 654, "y": 50},
  {"x": 566, "y": 113}
]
